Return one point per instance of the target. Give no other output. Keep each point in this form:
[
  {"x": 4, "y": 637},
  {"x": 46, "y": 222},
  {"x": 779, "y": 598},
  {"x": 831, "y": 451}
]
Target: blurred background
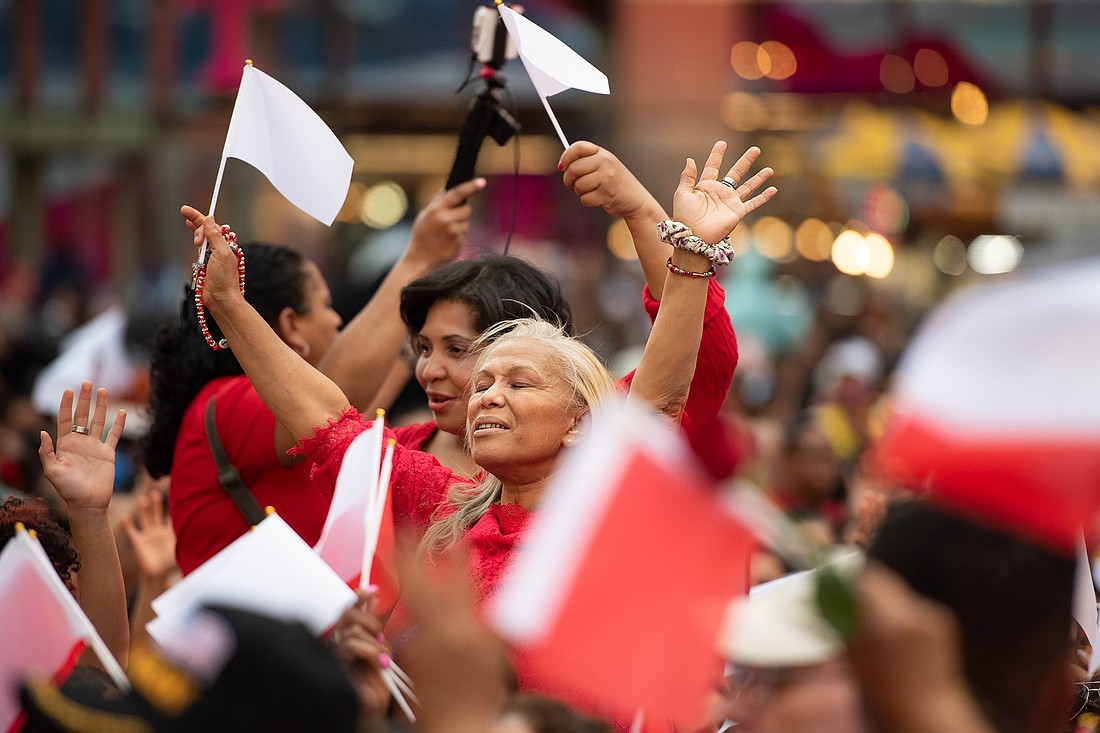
[{"x": 919, "y": 147}]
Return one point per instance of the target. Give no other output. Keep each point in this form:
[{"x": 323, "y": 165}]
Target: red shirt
[{"x": 203, "y": 515}]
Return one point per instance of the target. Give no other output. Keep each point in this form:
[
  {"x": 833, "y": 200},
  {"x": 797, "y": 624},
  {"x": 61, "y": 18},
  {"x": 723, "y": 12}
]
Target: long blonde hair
[{"x": 574, "y": 363}]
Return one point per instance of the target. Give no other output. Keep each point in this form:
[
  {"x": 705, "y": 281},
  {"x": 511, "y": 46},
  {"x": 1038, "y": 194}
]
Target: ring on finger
[
  {"x": 81, "y": 429},
  {"x": 729, "y": 181}
]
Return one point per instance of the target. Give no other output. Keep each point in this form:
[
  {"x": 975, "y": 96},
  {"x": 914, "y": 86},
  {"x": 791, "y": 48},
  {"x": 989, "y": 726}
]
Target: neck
[
  {"x": 524, "y": 493},
  {"x": 450, "y": 450}
]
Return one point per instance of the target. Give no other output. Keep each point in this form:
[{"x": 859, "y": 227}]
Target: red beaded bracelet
[
  {"x": 200, "y": 280},
  {"x": 689, "y": 273}
]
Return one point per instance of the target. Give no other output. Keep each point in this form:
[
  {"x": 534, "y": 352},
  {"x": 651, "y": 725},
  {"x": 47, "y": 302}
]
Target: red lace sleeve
[
  {"x": 327, "y": 446},
  {"x": 418, "y": 485}
]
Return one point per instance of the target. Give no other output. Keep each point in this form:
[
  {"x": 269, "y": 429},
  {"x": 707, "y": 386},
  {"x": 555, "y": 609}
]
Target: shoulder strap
[{"x": 228, "y": 476}]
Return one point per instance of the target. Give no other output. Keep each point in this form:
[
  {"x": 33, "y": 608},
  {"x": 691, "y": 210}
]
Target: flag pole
[
  {"x": 218, "y": 181},
  {"x": 553, "y": 119}
]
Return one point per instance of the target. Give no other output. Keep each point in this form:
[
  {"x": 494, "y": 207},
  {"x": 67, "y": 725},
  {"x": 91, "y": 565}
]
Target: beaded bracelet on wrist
[
  {"x": 200, "y": 280},
  {"x": 689, "y": 273},
  {"x": 681, "y": 237}
]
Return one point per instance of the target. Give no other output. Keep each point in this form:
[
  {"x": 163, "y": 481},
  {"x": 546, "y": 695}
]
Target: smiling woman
[{"x": 534, "y": 387}]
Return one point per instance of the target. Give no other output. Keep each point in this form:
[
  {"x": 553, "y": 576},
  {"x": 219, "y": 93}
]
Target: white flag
[
  {"x": 273, "y": 130},
  {"x": 269, "y": 570},
  {"x": 552, "y": 66},
  {"x": 43, "y": 628},
  {"x": 346, "y": 529}
]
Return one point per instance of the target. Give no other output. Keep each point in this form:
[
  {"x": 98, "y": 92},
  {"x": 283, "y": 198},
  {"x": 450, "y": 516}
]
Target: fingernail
[
  {"x": 561, "y": 167},
  {"x": 381, "y": 637},
  {"x": 384, "y": 660},
  {"x": 372, "y": 588}
]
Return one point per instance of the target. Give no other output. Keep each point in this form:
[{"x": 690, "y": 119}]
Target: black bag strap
[{"x": 228, "y": 476}]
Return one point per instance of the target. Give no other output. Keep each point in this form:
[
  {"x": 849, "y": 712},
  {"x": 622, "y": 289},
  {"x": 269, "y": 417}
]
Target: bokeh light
[
  {"x": 930, "y": 68},
  {"x": 781, "y": 60},
  {"x": 896, "y": 74},
  {"x": 949, "y": 255},
  {"x": 744, "y": 57},
  {"x": 992, "y": 254},
  {"x": 384, "y": 204},
  {"x": 880, "y": 256},
  {"x": 773, "y": 238},
  {"x": 968, "y": 104},
  {"x": 814, "y": 240},
  {"x": 850, "y": 253}
]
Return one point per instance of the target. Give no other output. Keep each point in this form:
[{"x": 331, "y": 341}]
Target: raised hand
[
  {"x": 221, "y": 268},
  {"x": 711, "y": 207},
  {"x": 440, "y": 228},
  {"x": 82, "y": 467},
  {"x": 151, "y": 534},
  {"x": 600, "y": 179}
]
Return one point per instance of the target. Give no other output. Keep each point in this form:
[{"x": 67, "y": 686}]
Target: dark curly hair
[
  {"x": 497, "y": 287},
  {"x": 35, "y": 514},
  {"x": 181, "y": 362}
]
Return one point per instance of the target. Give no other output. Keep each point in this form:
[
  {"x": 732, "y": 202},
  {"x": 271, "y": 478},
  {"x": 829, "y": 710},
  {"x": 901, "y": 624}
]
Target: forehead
[
  {"x": 451, "y": 316},
  {"x": 519, "y": 353},
  {"x": 314, "y": 280}
]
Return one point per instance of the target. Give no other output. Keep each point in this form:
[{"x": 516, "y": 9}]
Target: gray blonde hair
[{"x": 574, "y": 363}]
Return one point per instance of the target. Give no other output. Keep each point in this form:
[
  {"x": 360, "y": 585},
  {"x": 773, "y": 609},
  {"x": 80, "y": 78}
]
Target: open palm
[
  {"x": 711, "y": 208},
  {"x": 82, "y": 466}
]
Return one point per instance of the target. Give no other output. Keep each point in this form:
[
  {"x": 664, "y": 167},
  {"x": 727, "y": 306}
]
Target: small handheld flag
[{"x": 552, "y": 66}]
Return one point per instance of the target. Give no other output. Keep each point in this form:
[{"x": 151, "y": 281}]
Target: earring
[{"x": 570, "y": 440}]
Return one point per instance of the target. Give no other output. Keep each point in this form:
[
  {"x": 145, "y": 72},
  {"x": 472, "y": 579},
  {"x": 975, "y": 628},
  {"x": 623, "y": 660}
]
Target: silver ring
[
  {"x": 727, "y": 181},
  {"x": 81, "y": 429}
]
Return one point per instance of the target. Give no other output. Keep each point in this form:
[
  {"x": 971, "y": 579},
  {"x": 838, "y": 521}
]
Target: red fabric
[
  {"x": 205, "y": 519},
  {"x": 1041, "y": 487},
  {"x": 628, "y": 588},
  {"x": 416, "y": 435},
  {"x": 710, "y": 384}
]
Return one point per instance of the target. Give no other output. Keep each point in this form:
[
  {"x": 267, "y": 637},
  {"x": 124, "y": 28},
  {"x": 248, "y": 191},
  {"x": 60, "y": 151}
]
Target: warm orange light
[
  {"x": 744, "y": 112},
  {"x": 744, "y": 57},
  {"x": 969, "y": 105},
  {"x": 896, "y": 75},
  {"x": 930, "y": 68},
  {"x": 814, "y": 240},
  {"x": 782, "y": 63},
  {"x": 880, "y": 256},
  {"x": 773, "y": 237},
  {"x": 620, "y": 242}
]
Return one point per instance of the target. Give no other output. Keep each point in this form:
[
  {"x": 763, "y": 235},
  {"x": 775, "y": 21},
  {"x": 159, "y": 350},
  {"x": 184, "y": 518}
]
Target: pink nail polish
[
  {"x": 381, "y": 638},
  {"x": 384, "y": 660},
  {"x": 372, "y": 588},
  {"x": 561, "y": 167}
]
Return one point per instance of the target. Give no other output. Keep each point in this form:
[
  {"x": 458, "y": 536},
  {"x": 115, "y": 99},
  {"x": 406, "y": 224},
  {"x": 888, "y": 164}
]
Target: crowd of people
[{"x": 257, "y": 389}]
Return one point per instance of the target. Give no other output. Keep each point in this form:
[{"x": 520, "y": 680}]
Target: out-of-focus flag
[
  {"x": 95, "y": 351},
  {"x": 269, "y": 570},
  {"x": 1084, "y": 601},
  {"x": 273, "y": 130},
  {"x": 552, "y": 66},
  {"x": 379, "y": 561},
  {"x": 43, "y": 628},
  {"x": 995, "y": 408},
  {"x": 629, "y": 546}
]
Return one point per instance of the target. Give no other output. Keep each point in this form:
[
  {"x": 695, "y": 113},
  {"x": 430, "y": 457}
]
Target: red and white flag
[
  {"x": 42, "y": 628},
  {"x": 618, "y": 594},
  {"x": 996, "y": 407},
  {"x": 357, "y": 540}
]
